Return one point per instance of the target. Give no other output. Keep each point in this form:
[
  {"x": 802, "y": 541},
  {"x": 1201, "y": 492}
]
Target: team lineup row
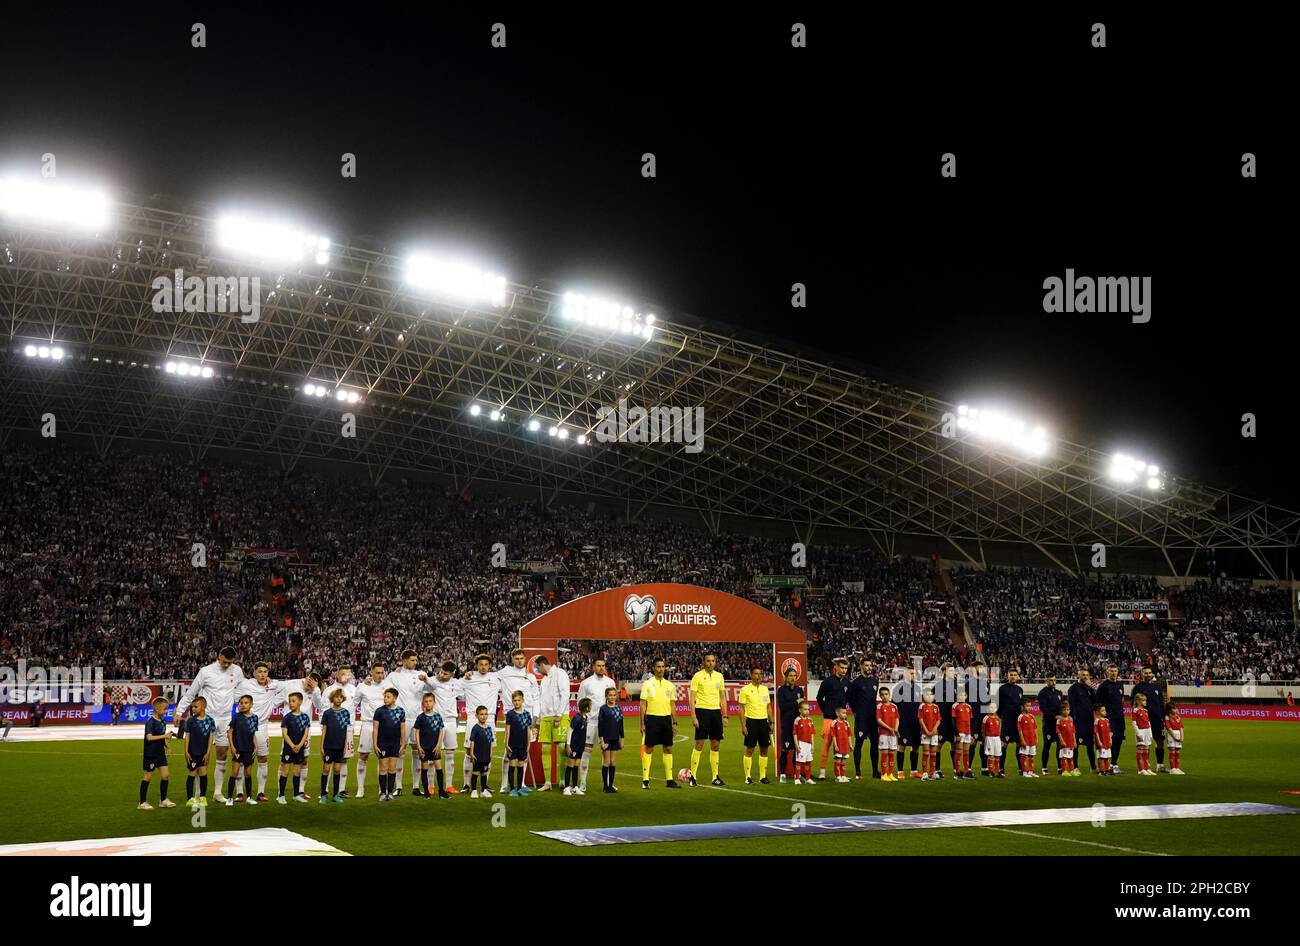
[{"x": 408, "y": 707}]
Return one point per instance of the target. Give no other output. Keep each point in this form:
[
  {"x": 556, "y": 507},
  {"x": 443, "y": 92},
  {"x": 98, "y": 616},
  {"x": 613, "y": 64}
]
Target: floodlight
[
  {"x": 269, "y": 241},
  {"x": 553, "y": 431},
  {"x": 998, "y": 427},
  {"x": 495, "y": 415},
  {"x": 455, "y": 279},
  {"x": 475, "y": 410},
  {"x": 54, "y": 203},
  {"x": 534, "y": 424},
  {"x": 188, "y": 369},
  {"x": 45, "y": 352},
  {"x": 564, "y": 434},
  {"x": 599, "y": 313},
  {"x": 582, "y": 438}
]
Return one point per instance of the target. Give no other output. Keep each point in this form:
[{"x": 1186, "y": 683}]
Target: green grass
[{"x": 87, "y": 789}]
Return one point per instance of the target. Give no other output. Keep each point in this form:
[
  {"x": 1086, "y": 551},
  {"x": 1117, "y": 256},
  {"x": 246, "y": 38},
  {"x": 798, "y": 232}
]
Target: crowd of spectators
[
  {"x": 145, "y": 564},
  {"x": 1230, "y": 633}
]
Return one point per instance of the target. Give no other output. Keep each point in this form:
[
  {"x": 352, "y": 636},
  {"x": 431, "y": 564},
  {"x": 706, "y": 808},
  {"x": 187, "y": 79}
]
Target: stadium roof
[{"x": 787, "y": 437}]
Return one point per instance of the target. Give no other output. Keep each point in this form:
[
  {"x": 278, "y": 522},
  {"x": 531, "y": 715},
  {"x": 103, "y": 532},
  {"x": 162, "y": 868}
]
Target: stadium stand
[{"x": 317, "y": 572}]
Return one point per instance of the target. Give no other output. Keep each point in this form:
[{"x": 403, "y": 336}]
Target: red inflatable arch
[{"x": 667, "y": 612}]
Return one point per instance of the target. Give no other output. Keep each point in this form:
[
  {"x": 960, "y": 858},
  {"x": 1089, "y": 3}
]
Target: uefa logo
[
  {"x": 790, "y": 663},
  {"x": 640, "y": 610}
]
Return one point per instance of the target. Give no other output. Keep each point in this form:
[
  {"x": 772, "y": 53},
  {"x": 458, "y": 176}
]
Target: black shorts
[
  {"x": 432, "y": 753},
  {"x": 576, "y": 754},
  {"x": 289, "y": 757},
  {"x": 388, "y": 750},
  {"x": 482, "y": 765},
  {"x": 331, "y": 756},
  {"x": 243, "y": 758},
  {"x": 195, "y": 762},
  {"x": 615, "y": 746},
  {"x": 517, "y": 751},
  {"x": 154, "y": 763},
  {"x": 909, "y": 736},
  {"x": 659, "y": 732},
  {"x": 758, "y": 732},
  {"x": 710, "y": 725}
]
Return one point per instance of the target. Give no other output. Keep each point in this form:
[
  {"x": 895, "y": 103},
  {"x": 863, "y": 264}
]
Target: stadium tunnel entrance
[{"x": 667, "y": 612}]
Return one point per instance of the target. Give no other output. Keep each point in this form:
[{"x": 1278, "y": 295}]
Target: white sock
[
  {"x": 401, "y": 765},
  {"x": 361, "y": 774},
  {"x": 582, "y": 769},
  {"x": 261, "y": 778},
  {"x": 221, "y": 775},
  {"x": 449, "y": 767},
  {"x": 343, "y": 777}
]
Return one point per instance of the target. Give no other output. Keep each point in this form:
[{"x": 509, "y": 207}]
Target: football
[{"x": 685, "y": 775}]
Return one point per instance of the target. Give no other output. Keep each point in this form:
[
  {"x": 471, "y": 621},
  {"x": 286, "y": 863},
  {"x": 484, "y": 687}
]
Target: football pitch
[{"x": 63, "y": 790}]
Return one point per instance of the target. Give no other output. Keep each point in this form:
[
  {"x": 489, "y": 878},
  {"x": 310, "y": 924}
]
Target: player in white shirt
[
  {"x": 481, "y": 688},
  {"x": 216, "y": 684},
  {"x": 553, "y": 710},
  {"x": 593, "y": 688},
  {"x": 343, "y": 681},
  {"x": 409, "y": 684},
  {"x": 370, "y": 696},
  {"x": 266, "y": 695},
  {"x": 515, "y": 676},
  {"x": 446, "y": 690}
]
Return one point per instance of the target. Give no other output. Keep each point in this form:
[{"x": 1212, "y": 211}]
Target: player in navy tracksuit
[
  {"x": 1082, "y": 699},
  {"x": 862, "y": 694},
  {"x": 907, "y": 695},
  {"x": 788, "y": 695},
  {"x": 945, "y": 695},
  {"x": 1110, "y": 694},
  {"x": 1011, "y": 697},
  {"x": 977, "y": 695},
  {"x": 831, "y": 695},
  {"x": 1049, "y": 703}
]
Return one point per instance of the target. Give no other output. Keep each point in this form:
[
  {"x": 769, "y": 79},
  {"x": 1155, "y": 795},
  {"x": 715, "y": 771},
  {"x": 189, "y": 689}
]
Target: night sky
[{"x": 775, "y": 165}]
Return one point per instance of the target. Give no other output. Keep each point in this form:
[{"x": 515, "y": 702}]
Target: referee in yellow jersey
[
  {"x": 709, "y": 714},
  {"x": 756, "y": 724},
  {"x": 658, "y": 723}
]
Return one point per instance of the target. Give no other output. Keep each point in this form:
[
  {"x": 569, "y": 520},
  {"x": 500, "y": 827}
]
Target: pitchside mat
[
  {"x": 1096, "y": 815},
  {"x": 258, "y": 841}
]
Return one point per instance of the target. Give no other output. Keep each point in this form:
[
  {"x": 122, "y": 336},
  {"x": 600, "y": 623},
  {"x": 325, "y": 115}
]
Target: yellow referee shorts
[{"x": 549, "y": 732}]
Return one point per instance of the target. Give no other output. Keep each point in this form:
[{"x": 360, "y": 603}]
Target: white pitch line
[{"x": 877, "y": 811}]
